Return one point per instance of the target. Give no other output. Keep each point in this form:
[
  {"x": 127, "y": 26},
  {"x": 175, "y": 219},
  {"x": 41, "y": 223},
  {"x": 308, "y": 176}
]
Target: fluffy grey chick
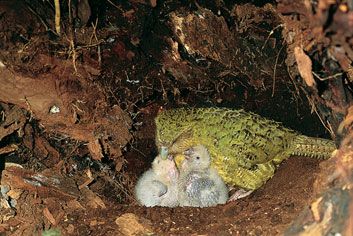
[
  {"x": 158, "y": 185},
  {"x": 199, "y": 184}
]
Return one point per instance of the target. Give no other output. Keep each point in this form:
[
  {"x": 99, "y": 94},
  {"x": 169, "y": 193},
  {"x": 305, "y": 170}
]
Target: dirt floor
[
  {"x": 268, "y": 211},
  {"x": 76, "y": 171},
  {"x": 101, "y": 209}
]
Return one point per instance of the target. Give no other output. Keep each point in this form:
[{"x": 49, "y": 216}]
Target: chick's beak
[{"x": 179, "y": 159}]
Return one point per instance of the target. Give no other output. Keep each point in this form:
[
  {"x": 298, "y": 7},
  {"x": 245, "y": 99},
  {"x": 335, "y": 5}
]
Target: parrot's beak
[{"x": 164, "y": 153}]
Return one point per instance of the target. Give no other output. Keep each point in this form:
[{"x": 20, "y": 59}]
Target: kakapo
[{"x": 245, "y": 147}]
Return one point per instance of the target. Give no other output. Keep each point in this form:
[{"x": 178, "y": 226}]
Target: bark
[{"x": 63, "y": 101}]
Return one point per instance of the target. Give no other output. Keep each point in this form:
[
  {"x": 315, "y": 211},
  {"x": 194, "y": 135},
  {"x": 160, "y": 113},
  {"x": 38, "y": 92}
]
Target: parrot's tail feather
[{"x": 312, "y": 147}]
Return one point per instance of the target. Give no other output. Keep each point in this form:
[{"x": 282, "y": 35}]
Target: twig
[
  {"x": 57, "y": 16},
  {"x": 269, "y": 35},
  {"x": 2, "y": 113},
  {"x": 87, "y": 182},
  {"x": 164, "y": 92},
  {"x": 296, "y": 94},
  {"x": 113, "y": 4},
  {"x": 70, "y": 13},
  {"x": 29, "y": 108},
  {"x": 73, "y": 53},
  {"x": 72, "y": 48},
  {"x": 293, "y": 82},
  {"x": 138, "y": 151},
  {"x": 8, "y": 149},
  {"x": 327, "y": 78},
  {"x": 72, "y": 39},
  {"x": 90, "y": 45},
  {"x": 313, "y": 108},
  {"x": 274, "y": 71},
  {"x": 94, "y": 34},
  {"x": 44, "y": 23}
]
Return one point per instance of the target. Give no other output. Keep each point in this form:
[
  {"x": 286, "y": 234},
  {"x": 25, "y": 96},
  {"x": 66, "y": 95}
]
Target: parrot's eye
[{"x": 198, "y": 158}]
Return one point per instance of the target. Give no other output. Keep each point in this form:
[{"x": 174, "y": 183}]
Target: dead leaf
[
  {"x": 93, "y": 223},
  {"x": 15, "y": 193},
  {"x": 315, "y": 209},
  {"x": 49, "y": 216},
  {"x": 4, "y": 228},
  {"x": 70, "y": 229},
  {"x": 129, "y": 14},
  {"x": 59, "y": 217},
  {"x": 96, "y": 223},
  {"x": 92, "y": 200},
  {"x": 8, "y": 149},
  {"x": 43, "y": 149},
  {"x": 153, "y": 3},
  {"x": 119, "y": 164},
  {"x": 348, "y": 120},
  {"x": 87, "y": 182},
  {"x": 99, "y": 202},
  {"x": 95, "y": 149},
  {"x": 320, "y": 228},
  {"x": 14, "y": 120},
  {"x": 43, "y": 184},
  {"x": 304, "y": 66},
  {"x": 74, "y": 205}
]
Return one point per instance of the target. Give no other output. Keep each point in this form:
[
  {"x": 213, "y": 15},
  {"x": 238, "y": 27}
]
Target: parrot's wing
[
  {"x": 243, "y": 137},
  {"x": 185, "y": 135},
  {"x": 251, "y": 144},
  {"x": 183, "y": 142}
]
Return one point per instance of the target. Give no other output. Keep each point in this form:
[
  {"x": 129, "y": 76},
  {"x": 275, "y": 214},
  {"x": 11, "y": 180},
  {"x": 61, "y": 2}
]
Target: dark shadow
[{"x": 2, "y": 166}]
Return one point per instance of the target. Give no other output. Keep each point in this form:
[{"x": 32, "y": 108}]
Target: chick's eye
[{"x": 198, "y": 158}]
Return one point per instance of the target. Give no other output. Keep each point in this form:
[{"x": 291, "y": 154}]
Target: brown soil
[{"x": 267, "y": 212}]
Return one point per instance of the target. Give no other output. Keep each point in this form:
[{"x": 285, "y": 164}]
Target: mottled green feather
[{"x": 245, "y": 148}]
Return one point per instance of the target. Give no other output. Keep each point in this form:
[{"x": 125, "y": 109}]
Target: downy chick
[
  {"x": 158, "y": 185},
  {"x": 199, "y": 184}
]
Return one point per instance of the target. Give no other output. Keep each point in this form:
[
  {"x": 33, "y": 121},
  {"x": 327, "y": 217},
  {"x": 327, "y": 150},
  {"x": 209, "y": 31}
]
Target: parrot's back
[{"x": 244, "y": 146}]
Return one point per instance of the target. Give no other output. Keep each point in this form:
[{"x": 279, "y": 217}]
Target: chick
[
  {"x": 199, "y": 184},
  {"x": 158, "y": 185},
  {"x": 246, "y": 148}
]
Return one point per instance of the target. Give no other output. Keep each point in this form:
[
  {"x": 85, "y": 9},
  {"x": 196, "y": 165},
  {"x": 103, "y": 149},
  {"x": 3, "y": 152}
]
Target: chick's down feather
[
  {"x": 158, "y": 185},
  {"x": 199, "y": 184}
]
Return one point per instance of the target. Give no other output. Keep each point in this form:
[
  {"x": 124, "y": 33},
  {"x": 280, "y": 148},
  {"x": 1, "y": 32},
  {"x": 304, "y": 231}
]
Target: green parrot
[{"x": 245, "y": 147}]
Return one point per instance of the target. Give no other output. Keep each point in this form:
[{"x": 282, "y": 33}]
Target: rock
[{"x": 129, "y": 224}]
